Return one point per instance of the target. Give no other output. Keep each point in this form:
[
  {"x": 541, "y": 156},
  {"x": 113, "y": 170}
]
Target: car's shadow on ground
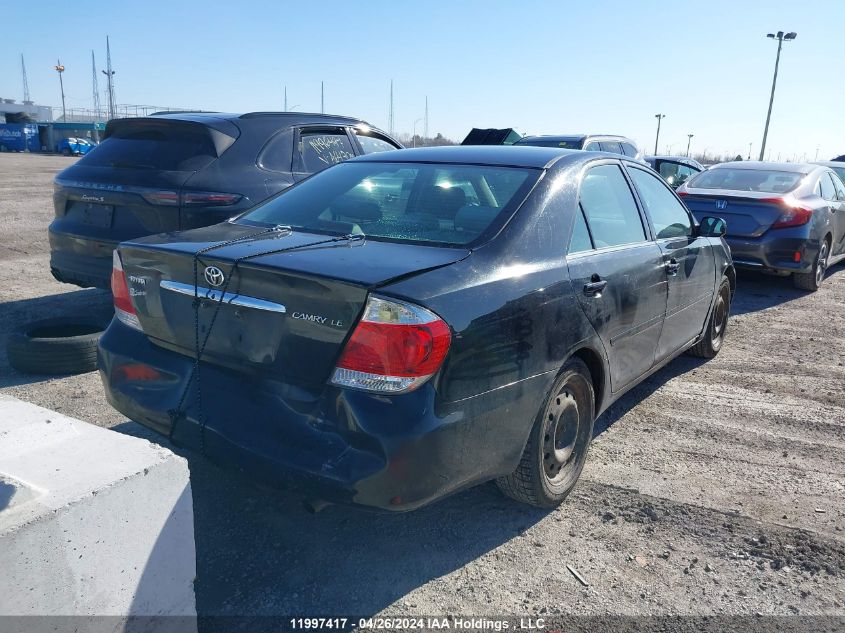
[
  {"x": 89, "y": 302},
  {"x": 756, "y": 291},
  {"x": 261, "y": 553}
]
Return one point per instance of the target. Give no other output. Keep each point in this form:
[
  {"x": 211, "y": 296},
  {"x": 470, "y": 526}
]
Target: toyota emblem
[{"x": 214, "y": 276}]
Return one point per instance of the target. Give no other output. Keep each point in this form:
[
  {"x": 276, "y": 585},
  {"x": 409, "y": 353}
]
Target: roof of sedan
[
  {"x": 801, "y": 168},
  {"x": 498, "y": 155},
  {"x": 292, "y": 117}
]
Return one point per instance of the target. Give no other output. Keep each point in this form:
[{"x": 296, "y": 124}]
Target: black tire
[
  {"x": 65, "y": 152},
  {"x": 557, "y": 447},
  {"x": 717, "y": 324},
  {"x": 66, "y": 345},
  {"x": 813, "y": 279}
]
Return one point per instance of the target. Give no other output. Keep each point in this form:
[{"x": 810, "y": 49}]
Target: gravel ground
[{"x": 713, "y": 488}]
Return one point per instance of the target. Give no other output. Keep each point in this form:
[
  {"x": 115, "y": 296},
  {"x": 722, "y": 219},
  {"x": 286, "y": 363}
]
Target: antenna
[
  {"x": 425, "y": 128},
  {"x": 109, "y": 73},
  {"x": 390, "y": 111},
  {"x": 95, "y": 86},
  {"x": 27, "y": 100}
]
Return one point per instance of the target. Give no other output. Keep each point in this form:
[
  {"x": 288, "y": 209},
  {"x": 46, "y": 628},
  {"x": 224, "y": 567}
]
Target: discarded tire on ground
[{"x": 65, "y": 345}]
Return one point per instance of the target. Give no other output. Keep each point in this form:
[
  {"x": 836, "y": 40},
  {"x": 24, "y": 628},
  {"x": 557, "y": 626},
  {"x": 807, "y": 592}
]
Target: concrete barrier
[{"x": 92, "y": 522}]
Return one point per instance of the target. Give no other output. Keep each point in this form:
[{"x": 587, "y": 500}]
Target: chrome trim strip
[{"x": 230, "y": 298}]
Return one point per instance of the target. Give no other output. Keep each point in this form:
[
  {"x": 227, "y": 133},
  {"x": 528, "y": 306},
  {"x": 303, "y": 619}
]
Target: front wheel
[
  {"x": 813, "y": 279},
  {"x": 557, "y": 447},
  {"x": 717, "y": 325}
]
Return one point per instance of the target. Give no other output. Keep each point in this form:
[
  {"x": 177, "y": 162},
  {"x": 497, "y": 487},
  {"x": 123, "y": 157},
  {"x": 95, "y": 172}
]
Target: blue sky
[{"x": 541, "y": 67}]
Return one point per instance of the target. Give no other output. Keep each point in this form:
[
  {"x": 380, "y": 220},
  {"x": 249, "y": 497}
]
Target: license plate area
[{"x": 99, "y": 215}]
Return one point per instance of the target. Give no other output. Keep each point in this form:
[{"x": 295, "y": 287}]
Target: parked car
[
  {"x": 838, "y": 167},
  {"x": 72, "y": 146},
  {"x": 782, "y": 217},
  {"x": 674, "y": 169},
  {"x": 184, "y": 170},
  {"x": 408, "y": 324},
  {"x": 587, "y": 142}
]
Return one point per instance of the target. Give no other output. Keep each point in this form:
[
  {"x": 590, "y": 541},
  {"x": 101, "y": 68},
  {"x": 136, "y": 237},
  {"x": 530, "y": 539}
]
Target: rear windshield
[
  {"x": 170, "y": 148},
  {"x": 413, "y": 202},
  {"x": 763, "y": 180},
  {"x": 561, "y": 143}
]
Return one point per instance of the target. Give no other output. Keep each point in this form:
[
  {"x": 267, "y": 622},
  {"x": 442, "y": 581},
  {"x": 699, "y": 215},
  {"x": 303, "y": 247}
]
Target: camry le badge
[
  {"x": 721, "y": 204},
  {"x": 214, "y": 276}
]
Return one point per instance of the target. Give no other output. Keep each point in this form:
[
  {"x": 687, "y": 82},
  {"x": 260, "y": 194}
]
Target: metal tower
[
  {"x": 27, "y": 100},
  {"x": 390, "y": 111},
  {"x": 95, "y": 85},
  {"x": 109, "y": 73}
]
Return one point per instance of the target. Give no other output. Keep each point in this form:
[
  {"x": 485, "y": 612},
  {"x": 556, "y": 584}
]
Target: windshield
[
  {"x": 762, "y": 180},
  {"x": 441, "y": 203}
]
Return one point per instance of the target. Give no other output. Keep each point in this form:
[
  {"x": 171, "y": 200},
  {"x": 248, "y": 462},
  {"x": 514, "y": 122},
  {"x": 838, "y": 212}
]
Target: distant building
[{"x": 35, "y": 113}]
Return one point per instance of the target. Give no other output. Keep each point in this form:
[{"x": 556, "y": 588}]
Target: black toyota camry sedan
[{"x": 404, "y": 325}]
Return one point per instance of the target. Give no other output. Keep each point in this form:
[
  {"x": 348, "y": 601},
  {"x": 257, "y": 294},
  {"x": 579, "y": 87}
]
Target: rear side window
[
  {"x": 593, "y": 146},
  {"x": 317, "y": 150},
  {"x": 668, "y": 216},
  {"x": 739, "y": 179},
  {"x": 373, "y": 144},
  {"x": 445, "y": 204},
  {"x": 609, "y": 205},
  {"x": 629, "y": 150},
  {"x": 169, "y": 148},
  {"x": 580, "y": 241},
  {"x": 611, "y": 146},
  {"x": 826, "y": 187}
]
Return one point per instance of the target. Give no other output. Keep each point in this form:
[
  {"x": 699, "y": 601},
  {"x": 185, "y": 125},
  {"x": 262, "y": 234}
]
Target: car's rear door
[
  {"x": 619, "y": 278},
  {"x": 837, "y": 218},
  {"x": 688, "y": 261}
]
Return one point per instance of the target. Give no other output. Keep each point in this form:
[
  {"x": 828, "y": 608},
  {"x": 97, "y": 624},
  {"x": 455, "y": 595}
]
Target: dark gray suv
[
  {"x": 181, "y": 170},
  {"x": 782, "y": 217}
]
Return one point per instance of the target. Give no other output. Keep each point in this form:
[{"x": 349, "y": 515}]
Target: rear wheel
[
  {"x": 65, "y": 152},
  {"x": 813, "y": 279},
  {"x": 717, "y": 324},
  {"x": 557, "y": 447}
]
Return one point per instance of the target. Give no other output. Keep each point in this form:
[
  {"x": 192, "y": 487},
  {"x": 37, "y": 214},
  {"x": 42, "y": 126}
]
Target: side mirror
[{"x": 712, "y": 227}]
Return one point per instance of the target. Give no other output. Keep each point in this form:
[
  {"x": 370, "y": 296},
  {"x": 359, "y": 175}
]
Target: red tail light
[
  {"x": 395, "y": 348},
  {"x": 682, "y": 194},
  {"x": 123, "y": 308},
  {"x": 793, "y": 213},
  {"x": 191, "y": 198}
]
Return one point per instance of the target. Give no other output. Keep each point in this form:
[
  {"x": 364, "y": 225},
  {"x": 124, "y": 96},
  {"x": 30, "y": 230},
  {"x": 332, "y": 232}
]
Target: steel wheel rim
[
  {"x": 720, "y": 315},
  {"x": 821, "y": 267},
  {"x": 563, "y": 421}
]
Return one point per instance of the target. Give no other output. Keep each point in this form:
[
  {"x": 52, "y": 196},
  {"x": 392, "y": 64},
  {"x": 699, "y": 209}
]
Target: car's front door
[
  {"x": 618, "y": 273},
  {"x": 688, "y": 262},
  {"x": 837, "y": 207}
]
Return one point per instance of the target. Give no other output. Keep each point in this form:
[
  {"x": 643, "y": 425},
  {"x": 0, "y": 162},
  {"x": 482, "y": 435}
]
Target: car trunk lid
[
  {"x": 747, "y": 214},
  {"x": 284, "y": 313}
]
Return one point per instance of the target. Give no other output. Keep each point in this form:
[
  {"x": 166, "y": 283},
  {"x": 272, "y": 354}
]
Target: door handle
[
  {"x": 672, "y": 267},
  {"x": 595, "y": 286}
]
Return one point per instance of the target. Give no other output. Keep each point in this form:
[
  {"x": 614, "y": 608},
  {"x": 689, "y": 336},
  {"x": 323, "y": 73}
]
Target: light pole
[
  {"x": 689, "y": 140},
  {"x": 780, "y": 36},
  {"x": 749, "y": 151},
  {"x": 60, "y": 69},
  {"x": 414, "y": 140},
  {"x": 659, "y": 118}
]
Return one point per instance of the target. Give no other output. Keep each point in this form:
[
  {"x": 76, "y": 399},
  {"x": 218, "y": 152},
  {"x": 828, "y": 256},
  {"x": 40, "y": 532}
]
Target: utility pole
[
  {"x": 60, "y": 69},
  {"x": 817, "y": 153},
  {"x": 27, "y": 100},
  {"x": 659, "y": 118},
  {"x": 780, "y": 36},
  {"x": 96, "y": 95},
  {"x": 689, "y": 141},
  {"x": 322, "y": 99},
  {"x": 425, "y": 127},
  {"x": 109, "y": 73},
  {"x": 390, "y": 111},
  {"x": 749, "y": 151}
]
